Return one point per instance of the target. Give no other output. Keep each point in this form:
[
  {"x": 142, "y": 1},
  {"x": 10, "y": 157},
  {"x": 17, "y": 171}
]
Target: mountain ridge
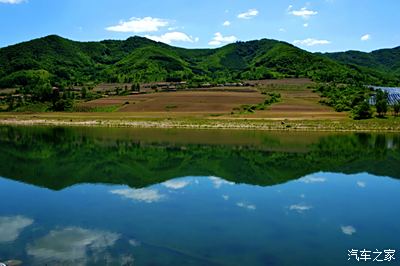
[
  {"x": 66, "y": 62},
  {"x": 387, "y": 59}
]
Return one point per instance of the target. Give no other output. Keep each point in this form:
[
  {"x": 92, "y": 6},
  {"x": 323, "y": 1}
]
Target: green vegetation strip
[{"x": 376, "y": 124}]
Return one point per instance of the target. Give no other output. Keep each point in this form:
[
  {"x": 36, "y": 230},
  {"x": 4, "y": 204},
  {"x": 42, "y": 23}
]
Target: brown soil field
[
  {"x": 182, "y": 101},
  {"x": 298, "y": 102}
]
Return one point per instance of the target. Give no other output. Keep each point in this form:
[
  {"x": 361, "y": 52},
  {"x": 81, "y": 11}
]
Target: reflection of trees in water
[
  {"x": 374, "y": 153},
  {"x": 60, "y": 157}
]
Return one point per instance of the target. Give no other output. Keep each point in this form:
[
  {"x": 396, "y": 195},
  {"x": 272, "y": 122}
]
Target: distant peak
[{"x": 53, "y": 36}]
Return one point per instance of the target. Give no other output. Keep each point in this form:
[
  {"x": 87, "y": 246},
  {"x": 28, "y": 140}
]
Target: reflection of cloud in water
[
  {"x": 302, "y": 196},
  {"x": 143, "y": 194},
  {"x": 134, "y": 243},
  {"x": 300, "y": 207},
  {"x": 11, "y": 227},
  {"x": 246, "y": 206},
  {"x": 225, "y": 197},
  {"x": 312, "y": 179},
  {"x": 348, "y": 230},
  {"x": 361, "y": 184},
  {"x": 218, "y": 182},
  {"x": 176, "y": 184},
  {"x": 71, "y": 244}
]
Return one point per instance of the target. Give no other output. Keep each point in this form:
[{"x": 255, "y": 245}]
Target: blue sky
[{"x": 321, "y": 25}]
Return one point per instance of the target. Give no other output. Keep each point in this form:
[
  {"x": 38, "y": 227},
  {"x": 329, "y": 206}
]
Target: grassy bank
[{"x": 200, "y": 122}]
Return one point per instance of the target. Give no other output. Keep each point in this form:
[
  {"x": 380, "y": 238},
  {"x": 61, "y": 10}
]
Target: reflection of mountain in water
[{"x": 57, "y": 158}]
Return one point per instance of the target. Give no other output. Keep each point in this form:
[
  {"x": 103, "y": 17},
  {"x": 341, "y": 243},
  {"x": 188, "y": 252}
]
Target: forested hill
[
  {"x": 63, "y": 62},
  {"x": 385, "y": 60}
]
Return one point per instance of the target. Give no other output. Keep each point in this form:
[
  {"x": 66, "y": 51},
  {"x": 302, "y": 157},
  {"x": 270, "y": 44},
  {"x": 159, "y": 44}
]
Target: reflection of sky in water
[
  {"x": 143, "y": 194},
  {"x": 71, "y": 244},
  {"x": 10, "y": 227},
  {"x": 201, "y": 221}
]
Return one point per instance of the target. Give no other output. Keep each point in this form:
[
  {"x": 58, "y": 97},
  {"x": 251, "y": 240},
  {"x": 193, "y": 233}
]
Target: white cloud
[
  {"x": 365, "y": 37},
  {"x": 170, "y": 37},
  {"x": 176, "y": 184},
  {"x": 71, "y": 244},
  {"x": 219, "y": 39},
  {"x": 246, "y": 206},
  {"x": 312, "y": 179},
  {"x": 11, "y": 227},
  {"x": 282, "y": 30},
  {"x": 361, "y": 184},
  {"x": 248, "y": 14},
  {"x": 136, "y": 25},
  {"x": 143, "y": 194},
  {"x": 311, "y": 42},
  {"x": 12, "y": 1},
  {"x": 300, "y": 208},
  {"x": 218, "y": 182},
  {"x": 303, "y": 12},
  {"x": 305, "y": 25},
  {"x": 348, "y": 230},
  {"x": 226, "y": 23}
]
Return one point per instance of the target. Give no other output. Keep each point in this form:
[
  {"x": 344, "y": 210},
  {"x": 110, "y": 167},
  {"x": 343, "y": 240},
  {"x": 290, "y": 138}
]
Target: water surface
[{"x": 181, "y": 197}]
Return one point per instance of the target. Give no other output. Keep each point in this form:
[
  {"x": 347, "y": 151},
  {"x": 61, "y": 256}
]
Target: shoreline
[{"x": 373, "y": 125}]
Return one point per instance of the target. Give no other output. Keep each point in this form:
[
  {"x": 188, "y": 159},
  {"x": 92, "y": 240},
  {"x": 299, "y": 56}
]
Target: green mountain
[
  {"x": 385, "y": 60},
  {"x": 64, "y": 62}
]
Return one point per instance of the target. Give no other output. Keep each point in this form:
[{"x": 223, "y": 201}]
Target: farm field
[
  {"x": 190, "y": 101},
  {"x": 298, "y": 101}
]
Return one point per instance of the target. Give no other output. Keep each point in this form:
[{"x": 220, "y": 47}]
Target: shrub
[{"x": 362, "y": 111}]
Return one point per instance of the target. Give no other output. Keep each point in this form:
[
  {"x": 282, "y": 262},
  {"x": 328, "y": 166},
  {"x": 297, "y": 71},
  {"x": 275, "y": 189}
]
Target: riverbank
[{"x": 110, "y": 120}]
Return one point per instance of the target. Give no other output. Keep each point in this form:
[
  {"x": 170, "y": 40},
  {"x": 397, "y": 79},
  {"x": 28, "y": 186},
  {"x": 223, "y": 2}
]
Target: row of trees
[
  {"x": 365, "y": 110},
  {"x": 57, "y": 99},
  {"x": 356, "y": 98}
]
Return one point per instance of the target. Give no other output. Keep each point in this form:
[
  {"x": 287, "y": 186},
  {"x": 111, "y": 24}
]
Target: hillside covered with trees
[
  {"x": 384, "y": 60},
  {"x": 60, "y": 62}
]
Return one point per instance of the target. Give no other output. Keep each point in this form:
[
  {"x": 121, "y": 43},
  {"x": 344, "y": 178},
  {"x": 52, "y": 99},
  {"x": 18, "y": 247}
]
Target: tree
[
  {"x": 381, "y": 103},
  {"x": 396, "y": 108},
  {"x": 63, "y": 105},
  {"x": 362, "y": 111},
  {"x": 135, "y": 87},
  {"x": 55, "y": 96},
  {"x": 83, "y": 92},
  {"x": 41, "y": 91},
  {"x": 381, "y": 108},
  {"x": 10, "y": 100}
]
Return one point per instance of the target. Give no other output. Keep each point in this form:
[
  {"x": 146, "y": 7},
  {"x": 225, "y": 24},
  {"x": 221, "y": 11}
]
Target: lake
[{"x": 94, "y": 196}]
